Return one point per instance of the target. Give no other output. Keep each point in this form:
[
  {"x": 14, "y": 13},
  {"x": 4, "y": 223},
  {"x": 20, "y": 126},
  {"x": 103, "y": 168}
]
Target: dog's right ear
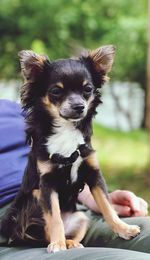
[
  {"x": 32, "y": 64},
  {"x": 35, "y": 69}
]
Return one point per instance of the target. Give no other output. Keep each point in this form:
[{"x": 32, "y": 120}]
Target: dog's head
[{"x": 67, "y": 87}]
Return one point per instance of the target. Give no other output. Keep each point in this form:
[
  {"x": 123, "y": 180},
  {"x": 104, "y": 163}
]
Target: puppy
[{"x": 60, "y": 99}]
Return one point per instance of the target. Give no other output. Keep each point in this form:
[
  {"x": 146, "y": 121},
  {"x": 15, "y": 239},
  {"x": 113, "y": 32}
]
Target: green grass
[{"x": 123, "y": 159}]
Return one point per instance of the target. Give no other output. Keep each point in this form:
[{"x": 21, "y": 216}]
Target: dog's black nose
[{"x": 78, "y": 108}]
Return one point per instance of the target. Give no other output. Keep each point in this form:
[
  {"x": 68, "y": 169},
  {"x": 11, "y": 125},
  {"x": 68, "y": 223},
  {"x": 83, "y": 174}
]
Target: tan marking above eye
[
  {"x": 59, "y": 84},
  {"x": 85, "y": 82}
]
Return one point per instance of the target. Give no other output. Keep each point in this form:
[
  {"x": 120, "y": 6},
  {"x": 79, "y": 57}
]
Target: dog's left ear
[
  {"x": 103, "y": 58},
  {"x": 32, "y": 64},
  {"x": 100, "y": 61}
]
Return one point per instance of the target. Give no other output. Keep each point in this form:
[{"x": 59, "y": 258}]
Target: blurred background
[{"x": 57, "y": 28}]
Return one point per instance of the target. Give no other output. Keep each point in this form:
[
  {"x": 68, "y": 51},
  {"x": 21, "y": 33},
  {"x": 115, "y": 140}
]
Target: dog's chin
[
  {"x": 72, "y": 118},
  {"x": 75, "y": 120}
]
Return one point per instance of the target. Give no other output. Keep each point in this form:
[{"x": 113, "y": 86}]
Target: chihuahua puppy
[{"x": 60, "y": 99}]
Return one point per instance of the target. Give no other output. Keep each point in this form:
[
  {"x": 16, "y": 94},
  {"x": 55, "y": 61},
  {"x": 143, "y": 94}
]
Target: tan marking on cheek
[
  {"x": 46, "y": 101},
  {"x": 36, "y": 194},
  {"x": 92, "y": 161},
  {"x": 54, "y": 110},
  {"x": 44, "y": 167}
]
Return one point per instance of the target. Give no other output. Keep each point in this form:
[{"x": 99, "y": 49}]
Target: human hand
[{"x": 127, "y": 204}]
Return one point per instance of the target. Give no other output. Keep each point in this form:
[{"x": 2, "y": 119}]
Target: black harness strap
[
  {"x": 83, "y": 150},
  {"x": 57, "y": 158}
]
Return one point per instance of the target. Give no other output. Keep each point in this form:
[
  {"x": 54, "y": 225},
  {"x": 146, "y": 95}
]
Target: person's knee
[
  {"x": 142, "y": 222},
  {"x": 100, "y": 234}
]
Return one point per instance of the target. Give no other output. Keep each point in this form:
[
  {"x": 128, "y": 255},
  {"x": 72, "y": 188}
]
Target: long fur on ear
[
  {"x": 103, "y": 58},
  {"x": 99, "y": 62},
  {"x": 34, "y": 68},
  {"x": 32, "y": 64}
]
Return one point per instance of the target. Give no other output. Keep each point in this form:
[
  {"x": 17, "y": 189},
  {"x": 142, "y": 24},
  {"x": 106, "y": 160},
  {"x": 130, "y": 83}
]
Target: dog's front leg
[
  {"x": 98, "y": 190},
  {"x": 54, "y": 228}
]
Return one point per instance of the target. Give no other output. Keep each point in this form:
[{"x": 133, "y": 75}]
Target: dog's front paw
[
  {"x": 128, "y": 231},
  {"x": 73, "y": 244},
  {"x": 56, "y": 247}
]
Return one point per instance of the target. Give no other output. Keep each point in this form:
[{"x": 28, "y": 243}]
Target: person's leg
[
  {"x": 100, "y": 235},
  {"x": 7, "y": 253},
  {"x": 3, "y": 210}
]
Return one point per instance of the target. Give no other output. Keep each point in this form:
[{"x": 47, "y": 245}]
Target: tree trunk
[
  {"x": 148, "y": 75},
  {"x": 148, "y": 87}
]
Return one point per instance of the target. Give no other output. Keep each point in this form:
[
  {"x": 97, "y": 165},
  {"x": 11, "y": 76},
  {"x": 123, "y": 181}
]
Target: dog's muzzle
[{"x": 74, "y": 107}]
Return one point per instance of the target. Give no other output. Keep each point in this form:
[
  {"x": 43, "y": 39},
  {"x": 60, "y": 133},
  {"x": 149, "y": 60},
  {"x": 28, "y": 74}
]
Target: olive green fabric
[
  {"x": 71, "y": 254},
  {"x": 99, "y": 235}
]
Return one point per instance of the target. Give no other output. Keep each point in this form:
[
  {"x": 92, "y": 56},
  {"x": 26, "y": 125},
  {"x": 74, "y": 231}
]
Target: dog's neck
[{"x": 65, "y": 138}]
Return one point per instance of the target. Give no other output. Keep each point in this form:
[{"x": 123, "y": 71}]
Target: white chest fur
[
  {"x": 74, "y": 169},
  {"x": 65, "y": 140}
]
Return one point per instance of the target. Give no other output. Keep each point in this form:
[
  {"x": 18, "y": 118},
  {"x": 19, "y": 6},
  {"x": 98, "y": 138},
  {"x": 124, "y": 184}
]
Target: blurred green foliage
[
  {"x": 123, "y": 158},
  {"x": 55, "y": 27}
]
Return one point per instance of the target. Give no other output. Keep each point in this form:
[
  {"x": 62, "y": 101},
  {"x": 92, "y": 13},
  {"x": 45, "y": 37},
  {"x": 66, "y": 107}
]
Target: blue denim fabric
[{"x": 13, "y": 150}]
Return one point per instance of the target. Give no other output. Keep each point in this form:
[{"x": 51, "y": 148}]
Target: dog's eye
[
  {"x": 56, "y": 91},
  {"x": 88, "y": 89}
]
